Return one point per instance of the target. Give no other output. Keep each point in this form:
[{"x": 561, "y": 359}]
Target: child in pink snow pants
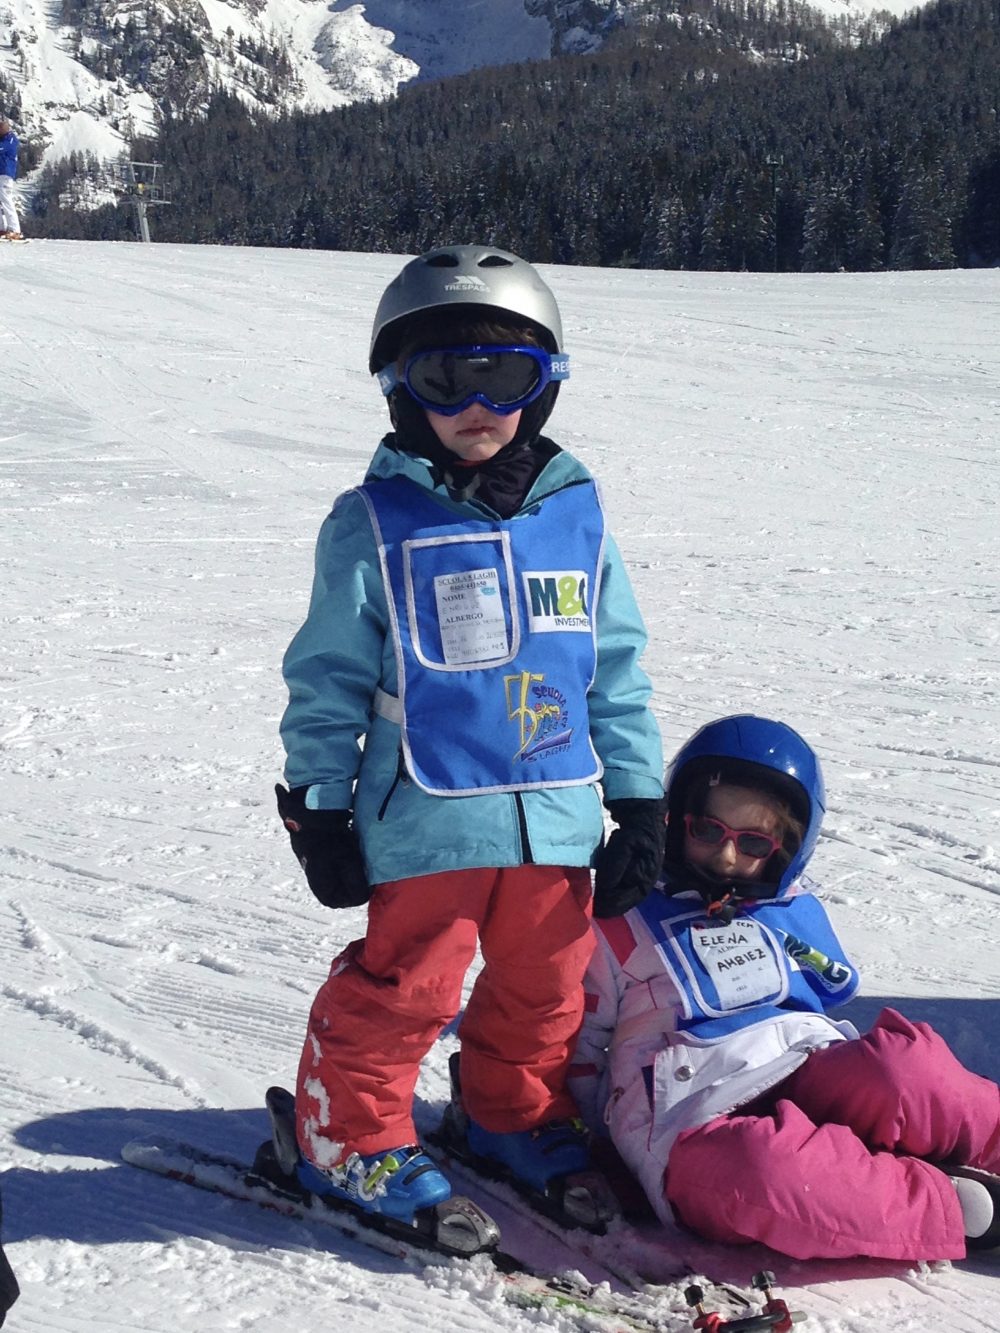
[
  {"x": 836, "y": 1161},
  {"x": 745, "y": 1111}
]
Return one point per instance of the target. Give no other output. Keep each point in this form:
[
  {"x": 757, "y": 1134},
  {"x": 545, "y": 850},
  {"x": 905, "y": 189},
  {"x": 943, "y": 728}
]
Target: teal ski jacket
[{"x": 351, "y": 757}]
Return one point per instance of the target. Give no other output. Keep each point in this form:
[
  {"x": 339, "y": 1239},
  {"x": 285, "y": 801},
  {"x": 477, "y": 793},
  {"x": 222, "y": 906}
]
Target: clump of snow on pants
[{"x": 322, "y": 1151}]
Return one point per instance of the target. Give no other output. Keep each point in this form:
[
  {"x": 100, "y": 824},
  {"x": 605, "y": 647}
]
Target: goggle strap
[{"x": 388, "y": 379}]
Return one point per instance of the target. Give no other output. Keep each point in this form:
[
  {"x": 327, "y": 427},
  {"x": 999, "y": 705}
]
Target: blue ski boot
[
  {"x": 534, "y": 1156},
  {"x": 549, "y": 1166},
  {"x": 400, "y": 1193},
  {"x": 396, "y": 1183}
]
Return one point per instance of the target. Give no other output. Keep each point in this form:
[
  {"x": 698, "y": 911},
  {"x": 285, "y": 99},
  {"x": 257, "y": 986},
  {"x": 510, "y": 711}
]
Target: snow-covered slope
[{"x": 803, "y": 476}]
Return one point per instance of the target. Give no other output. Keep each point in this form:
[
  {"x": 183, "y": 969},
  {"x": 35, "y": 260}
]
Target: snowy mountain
[{"x": 89, "y": 75}]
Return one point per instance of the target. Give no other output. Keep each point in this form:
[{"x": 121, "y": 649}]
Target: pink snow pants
[
  {"x": 389, "y": 995},
  {"x": 834, "y": 1162}
]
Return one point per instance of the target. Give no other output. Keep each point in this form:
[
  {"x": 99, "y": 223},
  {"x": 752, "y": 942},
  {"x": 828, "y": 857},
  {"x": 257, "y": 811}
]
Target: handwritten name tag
[{"x": 740, "y": 961}]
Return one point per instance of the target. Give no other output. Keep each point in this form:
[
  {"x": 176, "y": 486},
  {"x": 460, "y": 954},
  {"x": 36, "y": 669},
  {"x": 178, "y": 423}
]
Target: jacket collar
[{"x": 561, "y": 470}]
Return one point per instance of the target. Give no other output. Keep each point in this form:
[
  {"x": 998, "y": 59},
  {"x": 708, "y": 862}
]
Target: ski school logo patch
[
  {"x": 541, "y": 714},
  {"x": 557, "y": 601}
]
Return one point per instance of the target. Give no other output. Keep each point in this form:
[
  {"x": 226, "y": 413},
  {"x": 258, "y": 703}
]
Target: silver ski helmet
[{"x": 481, "y": 276}]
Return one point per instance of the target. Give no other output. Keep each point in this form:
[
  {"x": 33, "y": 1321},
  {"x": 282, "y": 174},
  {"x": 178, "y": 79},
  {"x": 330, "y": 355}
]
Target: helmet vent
[
  {"x": 494, "y": 261},
  {"x": 442, "y": 261}
]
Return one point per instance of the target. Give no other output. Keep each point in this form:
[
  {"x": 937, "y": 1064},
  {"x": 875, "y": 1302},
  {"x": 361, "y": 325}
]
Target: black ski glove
[
  {"x": 629, "y": 863},
  {"x": 327, "y": 849}
]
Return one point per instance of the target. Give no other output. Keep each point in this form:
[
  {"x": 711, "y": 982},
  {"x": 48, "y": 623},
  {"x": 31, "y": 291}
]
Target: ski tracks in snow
[{"x": 802, "y": 476}]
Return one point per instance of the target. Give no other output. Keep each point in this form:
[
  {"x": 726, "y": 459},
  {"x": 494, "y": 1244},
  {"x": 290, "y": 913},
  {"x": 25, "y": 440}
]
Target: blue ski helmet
[{"x": 751, "y": 751}]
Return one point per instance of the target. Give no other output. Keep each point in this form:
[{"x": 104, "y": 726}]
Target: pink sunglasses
[{"x": 713, "y": 833}]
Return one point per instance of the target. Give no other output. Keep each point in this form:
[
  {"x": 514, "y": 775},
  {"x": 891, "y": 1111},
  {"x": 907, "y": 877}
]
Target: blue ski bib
[
  {"x": 777, "y": 956},
  {"x": 493, "y": 630}
]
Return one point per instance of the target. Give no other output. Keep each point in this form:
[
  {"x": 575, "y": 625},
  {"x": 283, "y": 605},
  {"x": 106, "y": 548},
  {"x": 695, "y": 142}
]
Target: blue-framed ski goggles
[{"x": 447, "y": 380}]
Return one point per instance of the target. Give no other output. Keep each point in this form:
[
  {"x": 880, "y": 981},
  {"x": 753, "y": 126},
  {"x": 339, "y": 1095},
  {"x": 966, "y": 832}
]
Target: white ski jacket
[{"x": 686, "y": 1020}]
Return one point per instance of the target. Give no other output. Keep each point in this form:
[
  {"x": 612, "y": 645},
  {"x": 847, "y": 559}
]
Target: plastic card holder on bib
[{"x": 461, "y": 605}]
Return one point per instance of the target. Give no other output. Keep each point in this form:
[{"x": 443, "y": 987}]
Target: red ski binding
[{"x": 774, "y": 1314}]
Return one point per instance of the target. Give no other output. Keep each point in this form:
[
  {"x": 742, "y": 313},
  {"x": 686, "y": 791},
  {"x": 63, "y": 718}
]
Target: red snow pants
[
  {"x": 389, "y": 995},
  {"x": 835, "y": 1161}
]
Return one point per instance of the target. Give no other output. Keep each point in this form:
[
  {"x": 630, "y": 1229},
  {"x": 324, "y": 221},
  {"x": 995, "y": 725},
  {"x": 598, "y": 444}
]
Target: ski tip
[{"x": 139, "y": 1152}]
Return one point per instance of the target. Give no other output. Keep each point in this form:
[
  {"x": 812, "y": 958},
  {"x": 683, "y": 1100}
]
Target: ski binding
[{"x": 774, "y": 1314}]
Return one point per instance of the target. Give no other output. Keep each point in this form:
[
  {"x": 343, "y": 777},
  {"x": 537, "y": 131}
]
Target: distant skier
[
  {"x": 472, "y": 619},
  {"x": 9, "y": 1290},
  {"x": 10, "y": 223},
  {"x": 742, "y": 1108}
]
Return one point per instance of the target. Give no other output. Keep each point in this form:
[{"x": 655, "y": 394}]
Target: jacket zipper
[
  {"x": 400, "y": 777},
  {"x": 522, "y": 828}
]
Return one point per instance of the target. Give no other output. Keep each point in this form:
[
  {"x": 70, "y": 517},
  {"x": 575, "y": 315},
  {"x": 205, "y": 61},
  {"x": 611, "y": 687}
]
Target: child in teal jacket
[{"x": 471, "y": 619}]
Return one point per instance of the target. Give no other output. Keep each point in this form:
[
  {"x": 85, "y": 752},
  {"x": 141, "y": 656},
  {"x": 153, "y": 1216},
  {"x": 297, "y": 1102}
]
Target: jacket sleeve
[
  {"x": 333, "y": 665},
  {"x": 622, "y": 726},
  {"x": 601, "y": 988},
  {"x": 8, "y": 154}
]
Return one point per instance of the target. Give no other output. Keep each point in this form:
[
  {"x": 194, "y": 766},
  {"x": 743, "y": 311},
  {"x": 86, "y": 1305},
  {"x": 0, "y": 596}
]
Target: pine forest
[{"x": 731, "y": 136}]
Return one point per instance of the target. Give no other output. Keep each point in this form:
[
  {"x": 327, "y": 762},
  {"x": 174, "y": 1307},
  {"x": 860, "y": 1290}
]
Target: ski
[
  {"x": 221, "y": 1174},
  {"x": 458, "y": 1230},
  {"x": 618, "y": 1248},
  {"x": 452, "y": 1154}
]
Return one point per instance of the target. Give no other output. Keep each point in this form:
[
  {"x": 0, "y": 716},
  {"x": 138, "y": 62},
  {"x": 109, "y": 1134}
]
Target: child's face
[
  {"x": 743, "y": 810},
  {"x": 476, "y": 434}
]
